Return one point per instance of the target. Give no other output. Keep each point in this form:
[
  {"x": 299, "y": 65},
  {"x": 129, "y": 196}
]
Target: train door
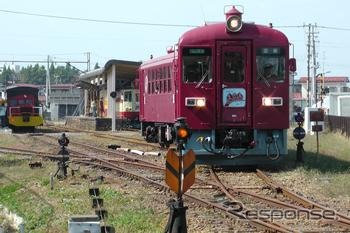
[{"x": 234, "y": 83}]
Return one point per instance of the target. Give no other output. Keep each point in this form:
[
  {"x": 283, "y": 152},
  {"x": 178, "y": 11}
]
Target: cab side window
[
  {"x": 197, "y": 65},
  {"x": 270, "y": 65}
]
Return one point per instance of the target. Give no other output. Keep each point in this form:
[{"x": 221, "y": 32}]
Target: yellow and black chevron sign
[{"x": 173, "y": 166}]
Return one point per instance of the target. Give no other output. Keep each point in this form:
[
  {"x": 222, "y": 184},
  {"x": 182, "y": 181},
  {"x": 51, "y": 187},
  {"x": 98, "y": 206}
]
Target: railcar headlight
[
  {"x": 234, "y": 23},
  {"x": 195, "y": 102},
  {"x": 272, "y": 101}
]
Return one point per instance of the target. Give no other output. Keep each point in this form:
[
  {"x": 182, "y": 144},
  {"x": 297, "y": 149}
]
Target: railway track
[
  {"x": 127, "y": 165},
  {"x": 107, "y": 136},
  {"x": 105, "y": 162}
]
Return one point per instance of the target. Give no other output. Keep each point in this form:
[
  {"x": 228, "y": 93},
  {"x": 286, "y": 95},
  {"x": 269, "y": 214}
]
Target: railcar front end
[
  {"x": 23, "y": 110},
  {"x": 232, "y": 86}
]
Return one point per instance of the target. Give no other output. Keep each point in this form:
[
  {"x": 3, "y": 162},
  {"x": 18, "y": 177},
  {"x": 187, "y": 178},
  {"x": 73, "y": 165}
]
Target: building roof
[
  {"x": 61, "y": 86},
  {"x": 125, "y": 70},
  {"x": 329, "y": 79}
]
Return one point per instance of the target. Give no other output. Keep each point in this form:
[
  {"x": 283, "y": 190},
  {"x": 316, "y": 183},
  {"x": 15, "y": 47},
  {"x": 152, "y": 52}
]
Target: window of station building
[
  {"x": 197, "y": 65},
  {"x": 270, "y": 65}
]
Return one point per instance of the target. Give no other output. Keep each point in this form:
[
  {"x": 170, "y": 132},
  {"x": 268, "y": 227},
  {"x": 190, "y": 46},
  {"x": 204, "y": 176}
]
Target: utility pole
[
  {"x": 315, "y": 64},
  {"x": 48, "y": 84},
  {"x": 308, "y": 65},
  {"x": 88, "y": 61}
]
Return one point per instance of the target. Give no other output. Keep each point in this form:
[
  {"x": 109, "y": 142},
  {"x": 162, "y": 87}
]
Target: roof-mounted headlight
[{"x": 234, "y": 23}]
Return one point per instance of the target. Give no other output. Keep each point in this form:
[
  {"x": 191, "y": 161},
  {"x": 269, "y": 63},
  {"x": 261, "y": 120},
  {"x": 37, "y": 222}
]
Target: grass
[
  {"x": 27, "y": 193},
  {"x": 329, "y": 169},
  {"x": 129, "y": 215}
]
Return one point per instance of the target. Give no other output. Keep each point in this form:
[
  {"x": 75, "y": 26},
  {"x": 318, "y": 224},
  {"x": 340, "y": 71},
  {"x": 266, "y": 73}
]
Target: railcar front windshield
[
  {"x": 270, "y": 64},
  {"x": 197, "y": 65}
]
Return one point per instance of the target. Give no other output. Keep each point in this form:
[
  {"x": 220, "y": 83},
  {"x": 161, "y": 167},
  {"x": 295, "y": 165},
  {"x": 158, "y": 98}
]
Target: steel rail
[
  {"x": 343, "y": 222},
  {"x": 225, "y": 190},
  {"x": 342, "y": 219},
  {"x": 257, "y": 223},
  {"x": 109, "y": 136}
]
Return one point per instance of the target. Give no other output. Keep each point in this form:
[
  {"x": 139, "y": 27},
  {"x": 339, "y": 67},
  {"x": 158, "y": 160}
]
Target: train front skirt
[
  {"x": 268, "y": 147},
  {"x": 25, "y": 121}
]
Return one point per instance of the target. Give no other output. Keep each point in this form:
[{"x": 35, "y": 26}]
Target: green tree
[
  {"x": 33, "y": 74},
  {"x": 6, "y": 75},
  {"x": 64, "y": 74}
]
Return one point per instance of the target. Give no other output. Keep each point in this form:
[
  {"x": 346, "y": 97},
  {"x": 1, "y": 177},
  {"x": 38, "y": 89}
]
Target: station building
[{"x": 116, "y": 76}]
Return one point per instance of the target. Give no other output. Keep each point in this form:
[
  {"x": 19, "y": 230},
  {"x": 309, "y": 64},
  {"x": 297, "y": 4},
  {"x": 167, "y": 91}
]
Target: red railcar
[{"x": 230, "y": 81}]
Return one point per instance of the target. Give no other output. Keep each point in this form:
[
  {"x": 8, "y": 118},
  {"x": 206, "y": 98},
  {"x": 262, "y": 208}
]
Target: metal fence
[{"x": 339, "y": 124}]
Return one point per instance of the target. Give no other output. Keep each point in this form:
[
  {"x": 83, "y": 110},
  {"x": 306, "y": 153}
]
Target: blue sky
[{"x": 33, "y": 38}]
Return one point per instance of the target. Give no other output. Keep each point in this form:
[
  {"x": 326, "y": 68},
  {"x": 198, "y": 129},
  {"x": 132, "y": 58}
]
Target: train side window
[
  {"x": 13, "y": 102},
  {"x": 127, "y": 96},
  {"x": 169, "y": 85},
  {"x": 197, "y": 65},
  {"x": 169, "y": 74},
  {"x": 165, "y": 86},
  {"x": 161, "y": 86},
  {"x": 270, "y": 65}
]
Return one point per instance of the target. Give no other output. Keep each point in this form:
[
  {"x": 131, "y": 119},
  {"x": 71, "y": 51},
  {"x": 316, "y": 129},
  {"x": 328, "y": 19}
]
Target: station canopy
[{"x": 126, "y": 72}]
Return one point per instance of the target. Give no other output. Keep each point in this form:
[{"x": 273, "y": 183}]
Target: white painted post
[{"x": 113, "y": 81}]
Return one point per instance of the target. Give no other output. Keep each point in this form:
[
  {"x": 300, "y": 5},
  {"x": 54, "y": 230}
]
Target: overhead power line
[
  {"x": 141, "y": 23},
  {"x": 288, "y": 26},
  {"x": 305, "y": 26},
  {"x": 335, "y": 28},
  {"x": 38, "y": 61},
  {"x": 95, "y": 20}
]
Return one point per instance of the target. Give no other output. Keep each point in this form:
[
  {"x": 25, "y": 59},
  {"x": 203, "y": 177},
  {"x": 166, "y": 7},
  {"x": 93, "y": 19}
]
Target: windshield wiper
[
  {"x": 202, "y": 79},
  {"x": 261, "y": 77}
]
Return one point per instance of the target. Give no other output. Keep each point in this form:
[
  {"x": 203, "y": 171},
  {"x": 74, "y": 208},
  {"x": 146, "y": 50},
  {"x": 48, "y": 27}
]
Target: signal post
[
  {"x": 299, "y": 134},
  {"x": 179, "y": 176}
]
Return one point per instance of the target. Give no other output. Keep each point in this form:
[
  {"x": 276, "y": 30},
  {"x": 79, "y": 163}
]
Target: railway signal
[
  {"x": 182, "y": 131},
  {"x": 180, "y": 176},
  {"x": 299, "y": 133},
  {"x": 62, "y": 165},
  {"x": 173, "y": 176}
]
